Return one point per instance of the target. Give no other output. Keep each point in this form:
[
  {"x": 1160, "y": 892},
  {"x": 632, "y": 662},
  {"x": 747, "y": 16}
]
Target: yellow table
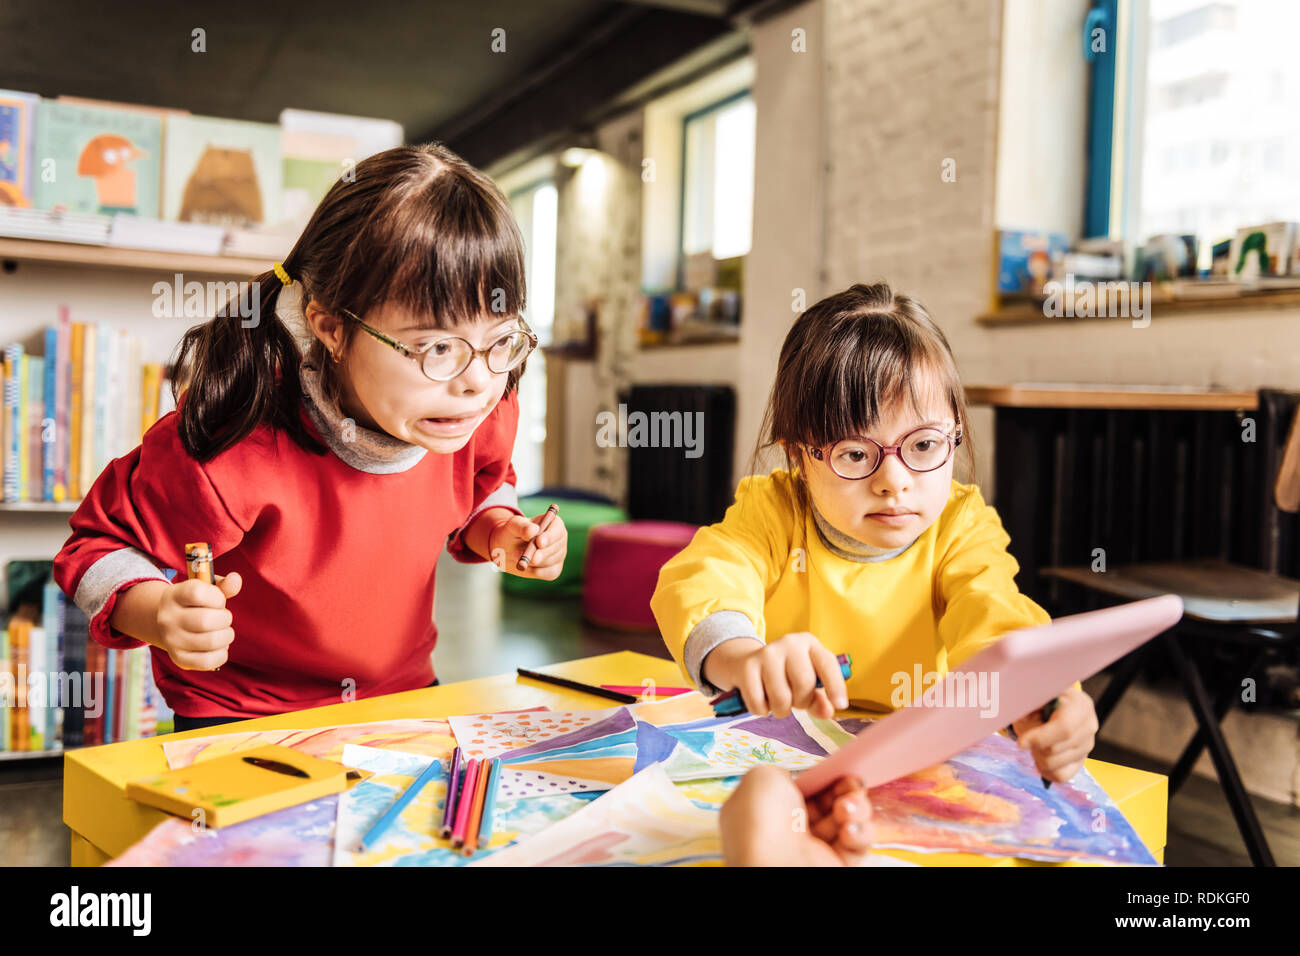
[{"x": 104, "y": 822}]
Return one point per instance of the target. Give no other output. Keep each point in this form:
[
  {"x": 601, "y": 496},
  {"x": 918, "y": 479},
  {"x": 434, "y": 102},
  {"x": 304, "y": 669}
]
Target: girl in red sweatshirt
[{"x": 334, "y": 428}]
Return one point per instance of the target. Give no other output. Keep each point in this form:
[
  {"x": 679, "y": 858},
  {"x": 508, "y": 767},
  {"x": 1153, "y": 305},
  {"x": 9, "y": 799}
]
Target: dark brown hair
[
  {"x": 848, "y": 359},
  {"x": 416, "y": 226}
]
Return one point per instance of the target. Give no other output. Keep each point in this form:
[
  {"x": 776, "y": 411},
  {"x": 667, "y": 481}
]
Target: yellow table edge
[{"x": 105, "y": 822}]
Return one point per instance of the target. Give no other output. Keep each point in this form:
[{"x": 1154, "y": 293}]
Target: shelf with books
[
  {"x": 59, "y": 688},
  {"x": 80, "y": 398},
  {"x": 86, "y": 254}
]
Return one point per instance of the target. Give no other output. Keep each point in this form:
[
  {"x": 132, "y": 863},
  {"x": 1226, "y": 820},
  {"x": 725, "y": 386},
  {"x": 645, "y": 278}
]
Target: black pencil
[
  {"x": 1046, "y": 713},
  {"x": 578, "y": 685}
]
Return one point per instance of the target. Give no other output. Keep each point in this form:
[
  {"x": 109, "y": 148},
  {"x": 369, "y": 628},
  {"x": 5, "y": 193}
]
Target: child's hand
[
  {"x": 1060, "y": 745},
  {"x": 193, "y": 623},
  {"x": 767, "y": 822},
  {"x": 509, "y": 540},
  {"x": 780, "y": 676}
]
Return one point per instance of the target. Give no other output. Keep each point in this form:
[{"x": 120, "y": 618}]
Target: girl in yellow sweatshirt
[{"x": 864, "y": 544}]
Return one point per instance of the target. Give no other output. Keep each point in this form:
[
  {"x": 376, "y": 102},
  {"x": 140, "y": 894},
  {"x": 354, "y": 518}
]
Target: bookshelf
[
  {"x": 62, "y": 507},
  {"x": 118, "y": 257},
  {"x": 99, "y": 283}
]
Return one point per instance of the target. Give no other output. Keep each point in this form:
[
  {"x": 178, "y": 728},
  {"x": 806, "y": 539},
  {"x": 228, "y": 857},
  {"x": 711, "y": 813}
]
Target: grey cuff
[
  {"x": 109, "y": 573},
  {"x": 505, "y": 496},
  {"x": 718, "y": 627}
]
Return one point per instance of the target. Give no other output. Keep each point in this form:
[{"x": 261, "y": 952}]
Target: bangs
[
  {"x": 449, "y": 252},
  {"x": 867, "y": 366}
]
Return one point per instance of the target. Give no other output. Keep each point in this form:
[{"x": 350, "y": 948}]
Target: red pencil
[
  {"x": 476, "y": 808},
  {"x": 462, "y": 811}
]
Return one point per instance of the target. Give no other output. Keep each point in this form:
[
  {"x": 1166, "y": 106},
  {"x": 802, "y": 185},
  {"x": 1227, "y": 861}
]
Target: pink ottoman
[{"x": 622, "y": 569}]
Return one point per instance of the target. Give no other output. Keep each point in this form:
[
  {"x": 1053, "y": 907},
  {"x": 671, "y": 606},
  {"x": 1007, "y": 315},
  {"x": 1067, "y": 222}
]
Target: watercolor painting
[
  {"x": 432, "y": 737},
  {"x": 989, "y": 800},
  {"x": 295, "y": 836}
]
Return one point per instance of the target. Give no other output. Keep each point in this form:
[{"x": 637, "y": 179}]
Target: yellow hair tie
[{"x": 281, "y": 274}]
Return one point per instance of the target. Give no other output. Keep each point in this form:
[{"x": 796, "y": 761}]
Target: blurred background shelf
[
  {"x": 40, "y": 506},
  {"x": 85, "y": 254}
]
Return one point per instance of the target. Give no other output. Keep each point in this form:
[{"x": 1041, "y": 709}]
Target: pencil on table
[
  {"x": 577, "y": 685},
  {"x": 476, "y": 809},
  {"x": 383, "y": 823},
  {"x": 490, "y": 803},
  {"x": 449, "y": 801},
  {"x": 463, "y": 803}
]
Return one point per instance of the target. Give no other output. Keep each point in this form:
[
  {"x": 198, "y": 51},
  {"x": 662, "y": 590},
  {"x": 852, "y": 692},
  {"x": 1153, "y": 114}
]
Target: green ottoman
[{"x": 579, "y": 518}]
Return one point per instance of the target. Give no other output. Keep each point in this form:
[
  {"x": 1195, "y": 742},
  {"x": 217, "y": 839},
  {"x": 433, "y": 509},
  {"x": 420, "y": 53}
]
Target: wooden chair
[{"x": 1247, "y": 613}]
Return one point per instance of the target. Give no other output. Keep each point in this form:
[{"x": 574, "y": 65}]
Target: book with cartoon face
[{"x": 97, "y": 159}]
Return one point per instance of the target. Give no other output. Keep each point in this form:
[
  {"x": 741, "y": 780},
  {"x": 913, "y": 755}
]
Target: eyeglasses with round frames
[
  {"x": 920, "y": 450},
  {"x": 443, "y": 359}
]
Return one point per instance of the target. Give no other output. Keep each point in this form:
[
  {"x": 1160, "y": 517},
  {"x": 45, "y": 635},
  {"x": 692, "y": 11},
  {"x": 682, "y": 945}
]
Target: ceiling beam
[
  {"x": 598, "y": 64},
  {"x": 707, "y": 8}
]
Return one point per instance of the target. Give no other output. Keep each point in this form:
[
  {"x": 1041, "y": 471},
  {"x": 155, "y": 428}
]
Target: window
[
  {"x": 1201, "y": 112},
  {"x": 718, "y": 178},
  {"x": 535, "y": 209}
]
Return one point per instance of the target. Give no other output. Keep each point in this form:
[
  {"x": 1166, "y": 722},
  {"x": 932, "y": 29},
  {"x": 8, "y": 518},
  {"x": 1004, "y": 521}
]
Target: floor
[{"x": 525, "y": 632}]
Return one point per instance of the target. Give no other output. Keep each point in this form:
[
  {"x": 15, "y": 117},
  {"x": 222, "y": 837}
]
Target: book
[
  {"x": 24, "y": 361},
  {"x": 318, "y": 148},
  {"x": 1028, "y": 260},
  {"x": 76, "y": 635},
  {"x": 52, "y": 624},
  {"x": 89, "y": 370},
  {"x": 133, "y": 232},
  {"x": 222, "y": 172},
  {"x": 35, "y": 417},
  {"x": 1264, "y": 250},
  {"x": 17, "y": 147},
  {"x": 13, "y": 355},
  {"x": 61, "y": 400},
  {"x": 105, "y": 159},
  {"x": 52, "y": 225},
  {"x": 8, "y": 687},
  {"x": 240, "y": 786},
  {"x": 75, "y": 374}
]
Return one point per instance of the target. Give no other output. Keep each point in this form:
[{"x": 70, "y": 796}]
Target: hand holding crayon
[
  {"x": 1060, "y": 735},
  {"x": 793, "y": 672},
  {"x": 530, "y": 547},
  {"x": 194, "y": 626}
]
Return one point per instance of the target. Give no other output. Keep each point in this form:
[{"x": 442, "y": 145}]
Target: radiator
[
  {"x": 667, "y": 483},
  {"x": 1143, "y": 486}
]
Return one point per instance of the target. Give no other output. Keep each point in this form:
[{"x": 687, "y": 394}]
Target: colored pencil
[
  {"x": 463, "y": 804},
  {"x": 732, "y": 703},
  {"x": 490, "y": 804},
  {"x": 1046, "y": 713},
  {"x": 526, "y": 558},
  {"x": 578, "y": 685},
  {"x": 658, "y": 691},
  {"x": 449, "y": 801},
  {"x": 476, "y": 808},
  {"x": 383, "y": 823}
]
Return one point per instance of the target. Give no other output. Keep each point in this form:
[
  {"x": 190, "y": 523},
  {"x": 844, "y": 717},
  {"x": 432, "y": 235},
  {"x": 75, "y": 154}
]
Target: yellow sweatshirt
[{"x": 763, "y": 571}]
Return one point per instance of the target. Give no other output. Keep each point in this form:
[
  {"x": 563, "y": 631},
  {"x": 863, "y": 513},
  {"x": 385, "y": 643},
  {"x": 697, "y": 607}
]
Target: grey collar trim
[
  {"x": 844, "y": 546},
  {"x": 363, "y": 448}
]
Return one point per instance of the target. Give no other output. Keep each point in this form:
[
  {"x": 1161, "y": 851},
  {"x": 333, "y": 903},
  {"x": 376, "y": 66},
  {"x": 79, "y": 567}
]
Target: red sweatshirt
[{"x": 337, "y": 558}]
